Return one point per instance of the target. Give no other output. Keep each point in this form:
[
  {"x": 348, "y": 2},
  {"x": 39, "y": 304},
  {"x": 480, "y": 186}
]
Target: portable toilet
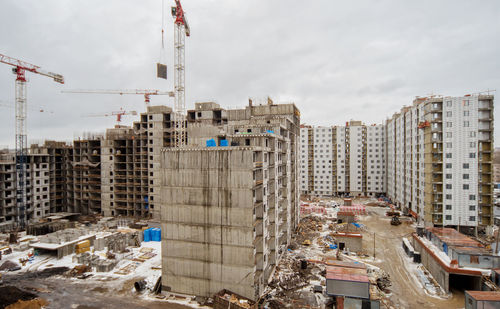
[{"x": 223, "y": 143}]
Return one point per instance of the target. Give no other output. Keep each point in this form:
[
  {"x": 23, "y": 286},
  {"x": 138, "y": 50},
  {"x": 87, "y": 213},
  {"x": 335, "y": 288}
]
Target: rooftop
[
  {"x": 346, "y": 274},
  {"x": 454, "y": 238},
  {"x": 484, "y": 295}
]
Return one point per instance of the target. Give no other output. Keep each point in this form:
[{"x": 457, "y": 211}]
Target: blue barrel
[
  {"x": 147, "y": 235},
  {"x": 157, "y": 235}
]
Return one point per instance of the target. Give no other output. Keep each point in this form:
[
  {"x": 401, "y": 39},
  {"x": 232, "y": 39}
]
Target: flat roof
[
  {"x": 353, "y": 235},
  {"x": 332, "y": 262},
  {"x": 346, "y": 274},
  {"x": 47, "y": 246},
  {"x": 484, "y": 295},
  {"x": 454, "y": 238}
]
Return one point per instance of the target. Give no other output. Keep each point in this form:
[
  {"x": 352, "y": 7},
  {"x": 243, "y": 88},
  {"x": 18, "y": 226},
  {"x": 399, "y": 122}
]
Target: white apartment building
[
  {"x": 343, "y": 160},
  {"x": 440, "y": 160}
]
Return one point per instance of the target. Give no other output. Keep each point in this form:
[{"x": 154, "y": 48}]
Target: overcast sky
[{"x": 336, "y": 60}]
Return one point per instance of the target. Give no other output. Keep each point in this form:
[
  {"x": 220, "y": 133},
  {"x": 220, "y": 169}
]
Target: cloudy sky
[{"x": 337, "y": 60}]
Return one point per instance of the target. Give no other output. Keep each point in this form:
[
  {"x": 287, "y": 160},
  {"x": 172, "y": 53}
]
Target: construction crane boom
[
  {"x": 181, "y": 30},
  {"x": 20, "y": 68},
  {"x": 146, "y": 92},
  {"x": 118, "y": 114},
  {"x": 26, "y": 66}
]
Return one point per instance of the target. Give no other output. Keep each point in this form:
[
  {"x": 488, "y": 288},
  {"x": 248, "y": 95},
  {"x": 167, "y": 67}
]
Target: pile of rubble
[
  {"x": 308, "y": 228},
  {"x": 294, "y": 282},
  {"x": 94, "y": 261},
  {"x": 380, "y": 278}
]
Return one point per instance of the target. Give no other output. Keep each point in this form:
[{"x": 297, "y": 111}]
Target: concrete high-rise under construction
[{"x": 229, "y": 199}]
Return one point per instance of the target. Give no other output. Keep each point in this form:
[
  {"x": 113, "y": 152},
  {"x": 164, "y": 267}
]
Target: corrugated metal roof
[
  {"x": 346, "y": 274},
  {"x": 484, "y": 295}
]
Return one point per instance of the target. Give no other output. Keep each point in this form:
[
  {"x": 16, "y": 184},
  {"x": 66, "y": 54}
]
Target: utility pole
[
  {"x": 374, "y": 246},
  {"x": 496, "y": 247}
]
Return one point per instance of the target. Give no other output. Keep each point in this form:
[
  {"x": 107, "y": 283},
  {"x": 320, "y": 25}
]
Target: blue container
[
  {"x": 147, "y": 235},
  {"x": 223, "y": 143},
  {"x": 211, "y": 143},
  {"x": 156, "y": 235}
]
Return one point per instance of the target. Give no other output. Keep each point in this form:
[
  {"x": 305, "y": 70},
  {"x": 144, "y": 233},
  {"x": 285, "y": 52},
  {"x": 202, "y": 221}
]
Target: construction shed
[
  {"x": 349, "y": 241},
  {"x": 482, "y": 300},
  {"x": 346, "y": 281}
]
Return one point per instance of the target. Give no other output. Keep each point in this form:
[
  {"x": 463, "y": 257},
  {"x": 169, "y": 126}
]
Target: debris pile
[
  {"x": 11, "y": 294},
  {"x": 226, "y": 299},
  {"x": 10, "y": 266},
  {"x": 308, "y": 228},
  {"x": 380, "y": 278},
  {"x": 294, "y": 281},
  {"x": 78, "y": 270}
]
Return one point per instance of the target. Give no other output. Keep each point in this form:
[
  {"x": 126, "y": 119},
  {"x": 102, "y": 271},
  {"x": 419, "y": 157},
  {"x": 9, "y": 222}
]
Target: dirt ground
[
  {"x": 62, "y": 292},
  {"x": 405, "y": 292}
]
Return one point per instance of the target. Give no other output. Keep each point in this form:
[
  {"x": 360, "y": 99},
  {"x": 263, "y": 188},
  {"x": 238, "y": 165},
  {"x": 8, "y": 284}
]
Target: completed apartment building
[
  {"x": 343, "y": 160},
  {"x": 439, "y": 160}
]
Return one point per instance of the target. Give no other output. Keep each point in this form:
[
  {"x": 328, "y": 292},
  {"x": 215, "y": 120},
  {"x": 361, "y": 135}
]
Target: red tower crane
[
  {"x": 119, "y": 114},
  {"x": 146, "y": 92},
  {"x": 181, "y": 30},
  {"x": 19, "y": 68}
]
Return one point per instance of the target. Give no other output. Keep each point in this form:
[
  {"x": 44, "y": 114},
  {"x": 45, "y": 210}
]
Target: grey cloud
[{"x": 336, "y": 60}]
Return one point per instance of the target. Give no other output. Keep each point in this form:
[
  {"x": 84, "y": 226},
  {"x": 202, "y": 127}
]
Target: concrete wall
[
  {"x": 354, "y": 244},
  {"x": 439, "y": 274},
  {"x": 208, "y": 219}
]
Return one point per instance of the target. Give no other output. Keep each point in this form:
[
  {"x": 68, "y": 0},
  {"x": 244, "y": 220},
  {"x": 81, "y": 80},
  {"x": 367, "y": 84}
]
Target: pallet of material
[{"x": 226, "y": 299}]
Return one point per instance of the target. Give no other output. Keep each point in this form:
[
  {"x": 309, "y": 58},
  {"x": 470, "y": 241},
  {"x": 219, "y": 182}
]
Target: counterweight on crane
[
  {"x": 181, "y": 30},
  {"x": 146, "y": 92},
  {"x": 20, "y": 68}
]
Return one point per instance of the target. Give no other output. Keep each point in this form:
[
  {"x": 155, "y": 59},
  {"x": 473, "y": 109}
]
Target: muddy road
[
  {"x": 406, "y": 293},
  {"x": 63, "y": 292}
]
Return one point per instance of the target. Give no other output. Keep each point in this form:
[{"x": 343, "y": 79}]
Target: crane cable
[{"x": 162, "y": 49}]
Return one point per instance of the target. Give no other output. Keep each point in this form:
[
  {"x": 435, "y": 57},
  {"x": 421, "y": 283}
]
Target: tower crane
[
  {"x": 19, "y": 68},
  {"x": 146, "y": 92},
  {"x": 9, "y": 104},
  {"x": 181, "y": 30},
  {"x": 119, "y": 114}
]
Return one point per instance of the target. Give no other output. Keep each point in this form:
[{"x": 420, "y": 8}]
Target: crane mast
[
  {"x": 181, "y": 30},
  {"x": 20, "y": 68}
]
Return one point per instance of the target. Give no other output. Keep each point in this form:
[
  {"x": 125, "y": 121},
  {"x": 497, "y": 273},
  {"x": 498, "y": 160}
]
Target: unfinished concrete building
[
  {"x": 57, "y": 153},
  {"x": 83, "y": 175},
  {"x": 124, "y": 169},
  {"x": 130, "y": 161},
  {"x": 228, "y": 212},
  {"x": 37, "y": 188}
]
